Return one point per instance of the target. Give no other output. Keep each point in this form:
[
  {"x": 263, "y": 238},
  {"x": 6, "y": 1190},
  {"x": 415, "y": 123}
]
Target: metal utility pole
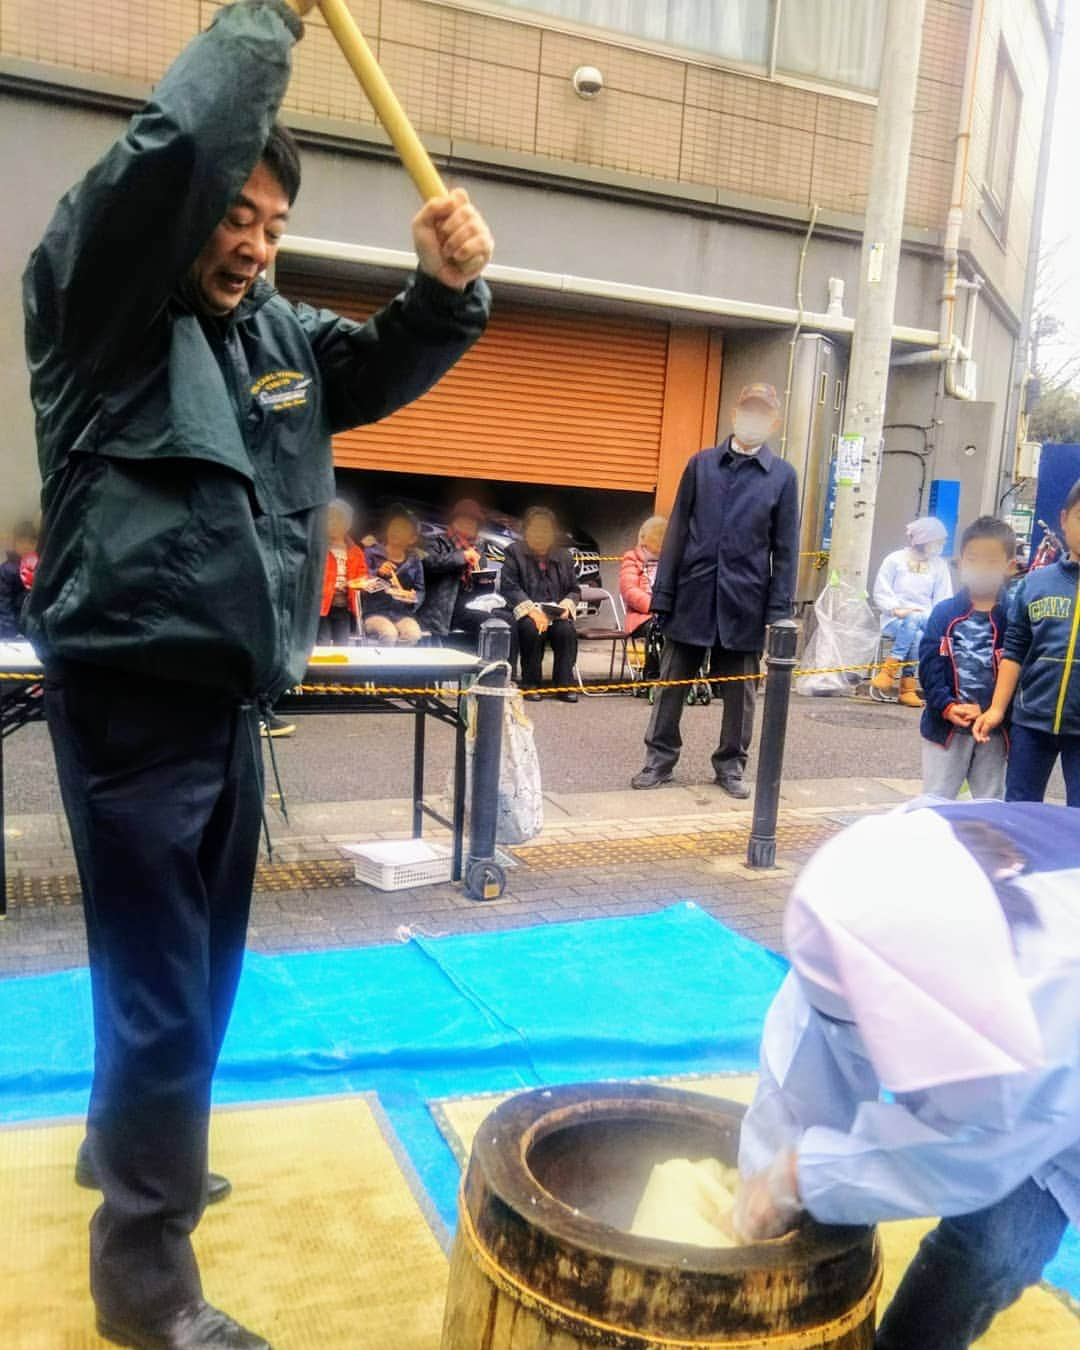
[{"x": 859, "y": 462}]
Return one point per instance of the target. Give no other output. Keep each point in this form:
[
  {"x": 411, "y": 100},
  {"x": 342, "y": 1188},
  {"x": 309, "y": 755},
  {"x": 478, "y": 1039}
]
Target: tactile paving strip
[
  {"x": 664, "y": 847},
  {"x": 310, "y": 875},
  {"x": 317, "y": 874}
]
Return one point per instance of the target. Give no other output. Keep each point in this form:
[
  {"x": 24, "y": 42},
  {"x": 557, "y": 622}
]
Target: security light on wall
[{"x": 587, "y": 81}]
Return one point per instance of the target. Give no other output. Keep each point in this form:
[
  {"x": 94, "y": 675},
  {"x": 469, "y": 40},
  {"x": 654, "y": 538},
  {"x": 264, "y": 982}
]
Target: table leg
[
  {"x": 420, "y": 729},
  {"x": 458, "y": 812}
]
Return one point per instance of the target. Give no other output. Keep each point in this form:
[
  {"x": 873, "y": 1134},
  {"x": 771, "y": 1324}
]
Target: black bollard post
[
  {"x": 484, "y": 878},
  {"x": 779, "y": 662}
]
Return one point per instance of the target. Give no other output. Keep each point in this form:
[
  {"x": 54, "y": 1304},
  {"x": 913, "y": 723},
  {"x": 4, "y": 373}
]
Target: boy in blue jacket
[
  {"x": 1037, "y": 667},
  {"x": 958, "y": 662}
]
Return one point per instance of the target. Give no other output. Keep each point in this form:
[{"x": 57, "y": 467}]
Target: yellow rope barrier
[
  {"x": 820, "y": 554},
  {"x": 416, "y": 691}
]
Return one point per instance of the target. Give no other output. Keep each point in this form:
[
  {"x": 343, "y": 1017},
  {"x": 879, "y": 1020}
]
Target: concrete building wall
[
  {"x": 352, "y": 198},
  {"x": 504, "y": 83},
  {"x": 1017, "y": 28}
]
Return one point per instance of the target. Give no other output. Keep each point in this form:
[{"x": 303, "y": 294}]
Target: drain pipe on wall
[
  {"x": 800, "y": 315},
  {"x": 950, "y": 351}
]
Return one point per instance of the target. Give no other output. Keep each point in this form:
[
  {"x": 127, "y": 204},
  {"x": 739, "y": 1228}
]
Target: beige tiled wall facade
[{"x": 506, "y": 84}]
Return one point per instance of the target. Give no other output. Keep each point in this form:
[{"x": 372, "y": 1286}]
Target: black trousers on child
[
  {"x": 681, "y": 661},
  {"x": 162, "y": 785},
  {"x": 561, "y": 636}
]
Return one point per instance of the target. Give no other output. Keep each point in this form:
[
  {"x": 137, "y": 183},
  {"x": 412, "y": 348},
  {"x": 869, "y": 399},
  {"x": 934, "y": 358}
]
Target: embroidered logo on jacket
[
  {"x": 1050, "y": 607},
  {"x": 281, "y": 389}
]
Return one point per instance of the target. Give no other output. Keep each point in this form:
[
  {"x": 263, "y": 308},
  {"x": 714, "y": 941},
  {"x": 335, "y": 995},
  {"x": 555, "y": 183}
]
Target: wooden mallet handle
[{"x": 389, "y": 111}]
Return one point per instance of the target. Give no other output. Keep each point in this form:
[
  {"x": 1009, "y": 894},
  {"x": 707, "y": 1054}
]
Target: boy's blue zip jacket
[
  {"x": 938, "y": 674},
  {"x": 1043, "y": 629}
]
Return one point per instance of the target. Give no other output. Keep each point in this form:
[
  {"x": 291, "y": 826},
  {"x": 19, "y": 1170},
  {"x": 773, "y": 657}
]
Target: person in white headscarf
[
  {"x": 923, "y": 1056},
  {"x": 909, "y": 583}
]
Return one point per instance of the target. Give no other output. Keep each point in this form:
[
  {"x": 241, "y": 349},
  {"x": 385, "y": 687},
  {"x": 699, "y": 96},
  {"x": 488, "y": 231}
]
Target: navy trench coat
[{"x": 731, "y": 553}]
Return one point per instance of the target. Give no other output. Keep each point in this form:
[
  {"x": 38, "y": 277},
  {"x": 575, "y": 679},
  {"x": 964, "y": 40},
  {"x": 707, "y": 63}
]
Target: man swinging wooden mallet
[{"x": 176, "y": 596}]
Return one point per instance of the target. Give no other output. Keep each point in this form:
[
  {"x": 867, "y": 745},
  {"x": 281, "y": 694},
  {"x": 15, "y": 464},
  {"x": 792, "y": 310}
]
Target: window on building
[
  {"x": 1001, "y": 152},
  {"x": 834, "y": 40},
  {"x": 838, "y": 41}
]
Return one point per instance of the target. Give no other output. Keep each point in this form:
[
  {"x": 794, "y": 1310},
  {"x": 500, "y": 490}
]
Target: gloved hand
[
  {"x": 768, "y": 1204},
  {"x": 659, "y": 618}
]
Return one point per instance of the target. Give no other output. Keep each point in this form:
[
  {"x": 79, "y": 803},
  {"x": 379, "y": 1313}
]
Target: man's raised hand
[{"x": 452, "y": 240}]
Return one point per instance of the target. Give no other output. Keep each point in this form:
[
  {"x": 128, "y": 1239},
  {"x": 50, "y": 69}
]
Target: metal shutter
[{"x": 546, "y": 396}]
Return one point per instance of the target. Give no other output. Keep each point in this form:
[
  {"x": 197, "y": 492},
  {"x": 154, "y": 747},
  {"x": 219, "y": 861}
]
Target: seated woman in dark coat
[
  {"x": 539, "y": 584},
  {"x": 452, "y": 562}
]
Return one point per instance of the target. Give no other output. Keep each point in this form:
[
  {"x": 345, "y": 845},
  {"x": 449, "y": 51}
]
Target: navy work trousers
[{"x": 162, "y": 785}]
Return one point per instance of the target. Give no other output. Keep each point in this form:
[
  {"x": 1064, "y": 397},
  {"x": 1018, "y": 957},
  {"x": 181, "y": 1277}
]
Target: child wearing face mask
[
  {"x": 959, "y": 655},
  {"x": 909, "y": 583},
  {"x": 1038, "y": 676}
]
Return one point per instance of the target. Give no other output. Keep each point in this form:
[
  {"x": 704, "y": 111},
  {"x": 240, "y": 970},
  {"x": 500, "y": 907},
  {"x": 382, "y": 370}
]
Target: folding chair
[{"x": 616, "y": 635}]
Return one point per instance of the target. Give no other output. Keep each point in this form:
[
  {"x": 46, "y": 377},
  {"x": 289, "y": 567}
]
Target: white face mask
[
  {"x": 982, "y": 582},
  {"x": 751, "y": 428}
]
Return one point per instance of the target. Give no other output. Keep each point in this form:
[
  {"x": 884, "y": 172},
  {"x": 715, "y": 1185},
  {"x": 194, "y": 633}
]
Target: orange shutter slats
[{"x": 546, "y": 396}]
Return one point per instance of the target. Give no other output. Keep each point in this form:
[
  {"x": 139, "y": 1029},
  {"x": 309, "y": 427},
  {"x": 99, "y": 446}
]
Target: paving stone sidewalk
[{"x": 600, "y": 854}]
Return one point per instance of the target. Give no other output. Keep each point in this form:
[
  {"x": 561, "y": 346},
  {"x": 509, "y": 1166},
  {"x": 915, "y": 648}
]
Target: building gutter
[
  {"x": 297, "y": 247},
  {"x": 1022, "y": 354}
]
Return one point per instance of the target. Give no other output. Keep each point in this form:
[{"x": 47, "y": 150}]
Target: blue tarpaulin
[{"x": 667, "y": 993}]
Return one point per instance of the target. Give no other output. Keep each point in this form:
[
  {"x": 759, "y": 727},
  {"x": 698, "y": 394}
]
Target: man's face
[
  {"x": 244, "y": 244},
  {"x": 466, "y": 526},
  {"x": 754, "y": 421}
]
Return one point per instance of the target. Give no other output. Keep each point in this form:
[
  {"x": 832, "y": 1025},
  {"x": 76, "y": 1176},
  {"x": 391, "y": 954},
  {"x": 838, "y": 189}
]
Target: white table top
[
  {"x": 18, "y": 658},
  {"x": 325, "y": 662}
]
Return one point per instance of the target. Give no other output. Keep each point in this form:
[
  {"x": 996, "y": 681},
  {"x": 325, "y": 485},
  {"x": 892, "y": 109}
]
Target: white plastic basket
[{"x": 398, "y": 864}]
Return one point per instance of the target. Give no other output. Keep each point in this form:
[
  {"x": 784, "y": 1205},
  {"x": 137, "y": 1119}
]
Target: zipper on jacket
[{"x": 1070, "y": 652}]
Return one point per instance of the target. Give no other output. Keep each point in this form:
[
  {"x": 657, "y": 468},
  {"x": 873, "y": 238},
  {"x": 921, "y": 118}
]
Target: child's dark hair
[
  {"x": 990, "y": 527},
  {"x": 281, "y": 155},
  {"x": 1073, "y": 499}
]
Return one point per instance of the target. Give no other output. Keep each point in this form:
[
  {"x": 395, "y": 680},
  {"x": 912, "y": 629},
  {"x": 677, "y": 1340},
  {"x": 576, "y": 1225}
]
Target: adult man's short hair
[{"x": 281, "y": 155}]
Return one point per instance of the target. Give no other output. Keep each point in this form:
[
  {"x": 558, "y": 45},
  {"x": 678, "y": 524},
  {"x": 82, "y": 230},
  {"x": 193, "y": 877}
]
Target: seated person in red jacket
[
  {"x": 345, "y": 577},
  {"x": 637, "y": 572},
  {"x": 397, "y": 581},
  {"x": 16, "y": 574}
]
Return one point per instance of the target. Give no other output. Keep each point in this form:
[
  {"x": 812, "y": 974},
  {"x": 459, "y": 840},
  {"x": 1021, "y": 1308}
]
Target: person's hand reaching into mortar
[{"x": 768, "y": 1205}]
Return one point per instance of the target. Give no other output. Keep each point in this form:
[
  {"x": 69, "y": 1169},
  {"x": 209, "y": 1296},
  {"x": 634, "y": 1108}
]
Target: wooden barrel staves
[{"x": 543, "y": 1259}]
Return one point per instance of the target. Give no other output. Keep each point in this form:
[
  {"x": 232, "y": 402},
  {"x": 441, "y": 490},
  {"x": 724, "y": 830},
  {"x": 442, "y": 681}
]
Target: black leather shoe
[
  {"x": 217, "y": 1186},
  {"x": 533, "y": 697},
  {"x": 650, "y": 778},
  {"x": 567, "y": 698},
  {"x": 734, "y": 785},
  {"x": 199, "y": 1327}
]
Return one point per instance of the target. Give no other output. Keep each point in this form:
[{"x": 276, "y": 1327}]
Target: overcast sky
[{"x": 1061, "y": 226}]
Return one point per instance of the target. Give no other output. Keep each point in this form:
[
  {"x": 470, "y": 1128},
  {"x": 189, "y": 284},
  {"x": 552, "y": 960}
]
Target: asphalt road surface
[{"x": 593, "y": 745}]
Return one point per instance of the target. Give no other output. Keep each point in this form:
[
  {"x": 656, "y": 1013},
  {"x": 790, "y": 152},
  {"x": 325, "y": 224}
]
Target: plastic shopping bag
[
  {"x": 846, "y": 633},
  {"x": 521, "y": 797},
  {"x": 520, "y": 807}
]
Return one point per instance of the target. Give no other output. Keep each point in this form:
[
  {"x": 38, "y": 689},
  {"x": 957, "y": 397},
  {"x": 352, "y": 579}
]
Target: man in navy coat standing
[{"x": 727, "y": 571}]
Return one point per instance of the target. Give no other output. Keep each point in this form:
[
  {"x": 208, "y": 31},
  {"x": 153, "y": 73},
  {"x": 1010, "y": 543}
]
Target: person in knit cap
[{"x": 910, "y": 582}]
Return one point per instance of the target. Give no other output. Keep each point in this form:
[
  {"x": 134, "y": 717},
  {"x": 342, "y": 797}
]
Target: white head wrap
[
  {"x": 926, "y": 969},
  {"x": 926, "y": 530}
]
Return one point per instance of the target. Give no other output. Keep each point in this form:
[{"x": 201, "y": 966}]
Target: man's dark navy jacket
[{"x": 731, "y": 551}]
